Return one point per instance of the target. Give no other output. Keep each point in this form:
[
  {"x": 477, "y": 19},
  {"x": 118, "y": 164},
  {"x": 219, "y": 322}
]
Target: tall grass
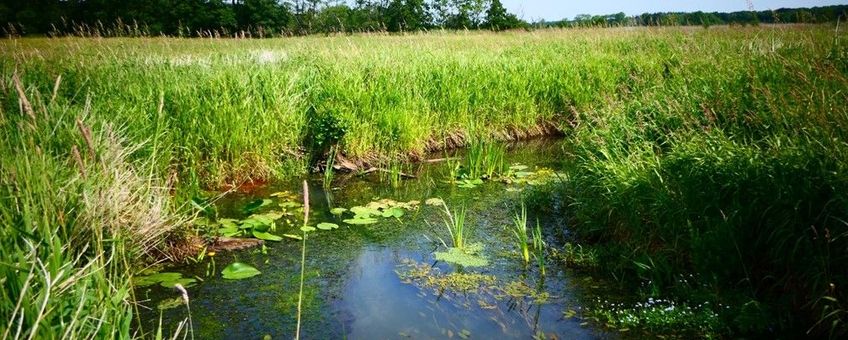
[
  {"x": 720, "y": 151},
  {"x": 725, "y": 157},
  {"x": 76, "y": 214}
]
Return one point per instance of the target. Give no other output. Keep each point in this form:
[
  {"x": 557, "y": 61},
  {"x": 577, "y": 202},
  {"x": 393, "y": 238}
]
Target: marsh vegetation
[{"x": 699, "y": 190}]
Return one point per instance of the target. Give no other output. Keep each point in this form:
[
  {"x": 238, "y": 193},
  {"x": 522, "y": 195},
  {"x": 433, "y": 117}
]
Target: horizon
[{"x": 555, "y": 10}]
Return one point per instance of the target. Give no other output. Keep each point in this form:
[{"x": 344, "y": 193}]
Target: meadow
[{"x": 719, "y": 152}]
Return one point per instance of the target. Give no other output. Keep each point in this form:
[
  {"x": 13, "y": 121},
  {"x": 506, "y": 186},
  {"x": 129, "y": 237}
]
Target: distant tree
[
  {"x": 407, "y": 15},
  {"x": 497, "y": 17}
]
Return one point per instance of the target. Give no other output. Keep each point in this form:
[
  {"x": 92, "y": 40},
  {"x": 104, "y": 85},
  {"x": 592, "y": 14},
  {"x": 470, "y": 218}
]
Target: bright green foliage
[
  {"x": 519, "y": 230},
  {"x": 239, "y": 271}
]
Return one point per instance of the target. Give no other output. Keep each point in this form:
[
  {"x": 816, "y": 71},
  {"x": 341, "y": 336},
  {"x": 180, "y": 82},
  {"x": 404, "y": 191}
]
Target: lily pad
[
  {"x": 462, "y": 258},
  {"x": 255, "y": 205},
  {"x": 185, "y": 282},
  {"x": 149, "y": 280},
  {"x": 361, "y": 220},
  {"x": 337, "y": 211},
  {"x": 365, "y": 211},
  {"x": 239, "y": 271},
  {"x": 266, "y": 236},
  {"x": 327, "y": 226},
  {"x": 307, "y": 228},
  {"x": 393, "y": 212},
  {"x": 170, "y": 303}
]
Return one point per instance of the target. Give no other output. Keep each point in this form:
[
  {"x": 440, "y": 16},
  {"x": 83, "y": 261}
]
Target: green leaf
[
  {"x": 255, "y": 205},
  {"x": 294, "y": 237},
  {"x": 266, "y": 236},
  {"x": 361, "y": 221},
  {"x": 229, "y": 231},
  {"x": 238, "y": 271},
  {"x": 185, "y": 282},
  {"x": 365, "y": 211},
  {"x": 307, "y": 228},
  {"x": 149, "y": 280},
  {"x": 327, "y": 226},
  {"x": 337, "y": 211},
  {"x": 393, "y": 212}
]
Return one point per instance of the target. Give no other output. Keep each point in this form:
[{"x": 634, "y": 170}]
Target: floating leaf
[
  {"x": 393, "y": 212},
  {"x": 434, "y": 201},
  {"x": 170, "y": 303},
  {"x": 185, "y": 282},
  {"x": 238, "y": 271},
  {"x": 365, "y": 212},
  {"x": 294, "y": 237},
  {"x": 229, "y": 231},
  {"x": 518, "y": 167},
  {"x": 289, "y": 204},
  {"x": 255, "y": 205},
  {"x": 266, "y": 236},
  {"x": 327, "y": 226},
  {"x": 337, "y": 211},
  {"x": 228, "y": 222},
  {"x": 149, "y": 280},
  {"x": 462, "y": 258},
  {"x": 307, "y": 228},
  {"x": 361, "y": 221}
]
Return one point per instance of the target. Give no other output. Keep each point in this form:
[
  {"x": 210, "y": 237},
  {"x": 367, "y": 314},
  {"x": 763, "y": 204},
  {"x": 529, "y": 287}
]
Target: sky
[{"x": 551, "y": 10}]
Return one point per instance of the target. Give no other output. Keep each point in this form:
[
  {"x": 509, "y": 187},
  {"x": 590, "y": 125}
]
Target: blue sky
[{"x": 558, "y": 9}]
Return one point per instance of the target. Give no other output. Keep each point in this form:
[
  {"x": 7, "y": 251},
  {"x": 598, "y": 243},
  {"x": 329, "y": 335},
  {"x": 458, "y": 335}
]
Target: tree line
[
  {"x": 782, "y": 15},
  {"x": 251, "y": 17},
  {"x": 300, "y": 17}
]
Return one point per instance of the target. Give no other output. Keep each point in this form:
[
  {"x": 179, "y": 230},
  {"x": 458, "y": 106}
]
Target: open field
[{"x": 719, "y": 152}]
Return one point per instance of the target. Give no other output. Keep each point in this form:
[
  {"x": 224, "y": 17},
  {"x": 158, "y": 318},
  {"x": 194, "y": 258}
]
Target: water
[{"x": 354, "y": 286}]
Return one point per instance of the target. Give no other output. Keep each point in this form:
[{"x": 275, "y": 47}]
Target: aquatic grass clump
[
  {"x": 454, "y": 222},
  {"x": 484, "y": 160},
  {"x": 519, "y": 230},
  {"x": 539, "y": 248}
]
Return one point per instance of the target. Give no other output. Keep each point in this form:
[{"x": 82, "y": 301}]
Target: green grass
[
  {"x": 519, "y": 230},
  {"x": 720, "y": 152},
  {"x": 454, "y": 222}
]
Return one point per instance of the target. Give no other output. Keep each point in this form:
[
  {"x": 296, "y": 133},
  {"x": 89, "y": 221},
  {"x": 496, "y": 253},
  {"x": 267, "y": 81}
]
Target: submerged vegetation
[{"x": 721, "y": 153}]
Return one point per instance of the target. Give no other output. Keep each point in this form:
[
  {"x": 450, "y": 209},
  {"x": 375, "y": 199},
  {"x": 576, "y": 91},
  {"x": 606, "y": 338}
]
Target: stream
[{"x": 382, "y": 280}]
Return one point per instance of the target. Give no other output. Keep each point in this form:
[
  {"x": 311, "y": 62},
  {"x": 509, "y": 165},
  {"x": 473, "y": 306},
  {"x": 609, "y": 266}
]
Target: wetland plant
[
  {"x": 455, "y": 224},
  {"x": 484, "y": 160},
  {"x": 328, "y": 170},
  {"x": 519, "y": 230},
  {"x": 539, "y": 248}
]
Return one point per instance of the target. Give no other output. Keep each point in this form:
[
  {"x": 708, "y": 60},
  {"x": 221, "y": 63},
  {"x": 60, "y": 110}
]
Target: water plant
[
  {"x": 539, "y": 248},
  {"x": 519, "y": 230},
  {"x": 328, "y": 168},
  {"x": 485, "y": 159},
  {"x": 454, "y": 222}
]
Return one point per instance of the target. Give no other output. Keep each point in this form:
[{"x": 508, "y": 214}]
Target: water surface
[{"x": 354, "y": 284}]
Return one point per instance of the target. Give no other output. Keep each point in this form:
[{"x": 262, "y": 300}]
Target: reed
[{"x": 519, "y": 230}]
